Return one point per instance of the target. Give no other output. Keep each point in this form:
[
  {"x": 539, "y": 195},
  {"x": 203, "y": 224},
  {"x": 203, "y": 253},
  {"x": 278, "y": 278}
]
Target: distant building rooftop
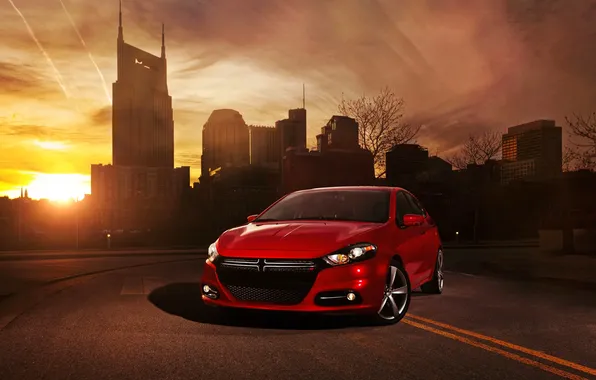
[{"x": 536, "y": 124}]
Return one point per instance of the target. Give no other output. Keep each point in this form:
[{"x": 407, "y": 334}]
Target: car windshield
[{"x": 348, "y": 205}]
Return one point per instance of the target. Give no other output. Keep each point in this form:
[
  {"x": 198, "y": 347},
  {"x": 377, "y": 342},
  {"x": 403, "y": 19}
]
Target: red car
[{"x": 337, "y": 249}]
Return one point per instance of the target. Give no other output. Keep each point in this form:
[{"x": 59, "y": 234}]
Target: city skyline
[{"x": 49, "y": 149}]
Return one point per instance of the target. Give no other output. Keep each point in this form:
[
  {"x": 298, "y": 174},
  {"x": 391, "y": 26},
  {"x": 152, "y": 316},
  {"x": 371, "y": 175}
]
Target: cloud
[
  {"x": 35, "y": 131},
  {"x": 505, "y": 60},
  {"x": 188, "y": 159},
  {"x": 460, "y": 65},
  {"x": 54, "y": 133},
  {"x": 10, "y": 178},
  {"x": 102, "y": 116},
  {"x": 23, "y": 79}
]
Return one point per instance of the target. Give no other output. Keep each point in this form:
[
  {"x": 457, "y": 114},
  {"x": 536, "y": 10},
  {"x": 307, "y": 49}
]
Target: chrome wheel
[
  {"x": 440, "y": 277},
  {"x": 396, "y": 295}
]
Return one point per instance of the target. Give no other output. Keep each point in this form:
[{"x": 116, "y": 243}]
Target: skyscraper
[
  {"x": 142, "y": 116},
  {"x": 291, "y": 132},
  {"x": 532, "y": 151},
  {"x": 142, "y": 187},
  {"x": 263, "y": 148},
  {"x": 225, "y": 141}
]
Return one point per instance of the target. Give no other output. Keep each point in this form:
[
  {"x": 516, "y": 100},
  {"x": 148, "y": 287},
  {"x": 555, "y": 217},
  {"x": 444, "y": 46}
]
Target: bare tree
[
  {"x": 478, "y": 149},
  {"x": 569, "y": 159},
  {"x": 581, "y": 153},
  {"x": 381, "y": 125}
]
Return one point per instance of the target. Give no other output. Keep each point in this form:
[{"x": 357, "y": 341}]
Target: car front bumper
[{"x": 328, "y": 293}]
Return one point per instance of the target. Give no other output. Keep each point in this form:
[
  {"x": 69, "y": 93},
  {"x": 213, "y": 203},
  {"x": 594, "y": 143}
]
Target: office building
[
  {"x": 225, "y": 142},
  {"x": 142, "y": 116},
  {"x": 532, "y": 151},
  {"x": 341, "y": 162},
  {"x": 129, "y": 197},
  {"x": 291, "y": 132},
  {"x": 263, "y": 148},
  {"x": 142, "y": 180},
  {"x": 341, "y": 132},
  {"x": 403, "y": 164}
]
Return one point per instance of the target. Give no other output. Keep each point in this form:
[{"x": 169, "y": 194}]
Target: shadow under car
[{"x": 185, "y": 301}]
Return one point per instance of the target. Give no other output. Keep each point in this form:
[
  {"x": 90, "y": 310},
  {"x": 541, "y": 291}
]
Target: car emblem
[{"x": 261, "y": 265}]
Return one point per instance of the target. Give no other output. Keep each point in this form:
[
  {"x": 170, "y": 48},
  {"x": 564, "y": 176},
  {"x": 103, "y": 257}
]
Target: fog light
[
  {"x": 206, "y": 288},
  {"x": 351, "y": 296}
]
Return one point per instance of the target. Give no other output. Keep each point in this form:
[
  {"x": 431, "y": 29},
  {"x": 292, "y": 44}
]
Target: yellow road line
[
  {"x": 538, "y": 354},
  {"x": 506, "y": 354}
]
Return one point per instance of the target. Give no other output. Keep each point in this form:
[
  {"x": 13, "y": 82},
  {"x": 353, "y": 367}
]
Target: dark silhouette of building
[
  {"x": 225, "y": 141},
  {"x": 329, "y": 165},
  {"x": 341, "y": 132},
  {"x": 532, "y": 151},
  {"x": 142, "y": 186},
  {"x": 129, "y": 196},
  {"x": 7, "y": 222},
  {"x": 263, "y": 148},
  {"x": 438, "y": 169},
  {"x": 142, "y": 116},
  {"x": 404, "y": 163},
  {"x": 117, "y": 183},
  {"x": 291, "y": 132},
  {"x": 487, "y": 173}
]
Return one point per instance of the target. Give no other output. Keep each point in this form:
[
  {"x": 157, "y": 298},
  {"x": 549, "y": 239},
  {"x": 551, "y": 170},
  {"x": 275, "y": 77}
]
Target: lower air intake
[{"x": 274, "y": 296}]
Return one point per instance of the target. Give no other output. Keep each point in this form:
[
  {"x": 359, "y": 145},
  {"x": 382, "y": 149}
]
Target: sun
[{"x": 59, "y": 187}]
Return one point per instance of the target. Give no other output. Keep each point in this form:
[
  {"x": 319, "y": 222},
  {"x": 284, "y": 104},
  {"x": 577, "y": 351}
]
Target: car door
[
  {"x": 409, "y": 241},
  {"x": 428, "y": 251}
]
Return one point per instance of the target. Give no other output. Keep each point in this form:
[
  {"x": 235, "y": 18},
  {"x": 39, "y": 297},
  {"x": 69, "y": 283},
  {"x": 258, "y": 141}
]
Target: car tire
[
  {"x": 437, "y": 283},
  {"x": 396, "y": 295}
]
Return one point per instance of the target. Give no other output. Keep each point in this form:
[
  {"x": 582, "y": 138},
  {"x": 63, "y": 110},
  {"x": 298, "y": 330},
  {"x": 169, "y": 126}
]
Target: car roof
[{"x": 365, "y": 188}]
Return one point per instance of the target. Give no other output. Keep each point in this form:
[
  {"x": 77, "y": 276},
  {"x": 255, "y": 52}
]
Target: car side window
[
  {"x": 415, "y": 205},
  {"x": 402, "y": 207}
]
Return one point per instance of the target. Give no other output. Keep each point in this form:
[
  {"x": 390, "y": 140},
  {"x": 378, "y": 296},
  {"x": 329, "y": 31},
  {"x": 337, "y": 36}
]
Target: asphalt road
[
  {"x": 25, "y": 271},
  {"x": 148, "y": 322}
]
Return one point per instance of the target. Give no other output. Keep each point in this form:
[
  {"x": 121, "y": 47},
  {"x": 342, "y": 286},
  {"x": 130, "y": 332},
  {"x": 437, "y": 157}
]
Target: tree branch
[
  {"x": 380, "y": 124},
  {"x": 582, "y": 135},
  {"x": 477, "y": 150}
]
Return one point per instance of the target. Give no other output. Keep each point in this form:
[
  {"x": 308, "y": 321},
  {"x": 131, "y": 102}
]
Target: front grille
[
  {"x": 241, "y": 264},
  {"x": 276, "y": 296},
  {"x": 275, "y": 281}
]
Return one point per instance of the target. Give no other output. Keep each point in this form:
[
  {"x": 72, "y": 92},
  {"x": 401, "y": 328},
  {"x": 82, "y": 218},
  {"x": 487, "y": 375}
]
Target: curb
[
  {"x": 492, "y": 246},
  {"x": 16, "y": 304},
  {"x": 113, "y": 249},
  {"x": 100, "y": 254}
]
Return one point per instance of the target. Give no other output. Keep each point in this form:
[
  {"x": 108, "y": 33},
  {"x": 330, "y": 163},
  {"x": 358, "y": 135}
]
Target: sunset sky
[{"x": 460, "y": 65}]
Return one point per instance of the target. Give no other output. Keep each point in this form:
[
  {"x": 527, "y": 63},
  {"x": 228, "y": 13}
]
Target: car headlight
[
  {"x": 352, "y": 253},
  {"x": 212, "y": 253}
]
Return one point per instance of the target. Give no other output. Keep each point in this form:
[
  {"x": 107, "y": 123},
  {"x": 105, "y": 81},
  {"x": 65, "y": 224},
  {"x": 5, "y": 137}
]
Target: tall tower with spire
[
  {"x": 142, "y": 115},
  {"x": 142, "y": 186}
]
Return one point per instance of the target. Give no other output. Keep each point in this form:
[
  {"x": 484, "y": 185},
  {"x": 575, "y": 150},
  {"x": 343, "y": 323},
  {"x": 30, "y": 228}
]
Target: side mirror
[
  {"x": 250, "y": 218},
  {"x": 411, "y": 220}
]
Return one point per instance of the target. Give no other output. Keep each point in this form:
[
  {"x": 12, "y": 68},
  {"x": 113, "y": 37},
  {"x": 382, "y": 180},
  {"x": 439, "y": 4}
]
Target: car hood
[{"x": 305, "y": 239}]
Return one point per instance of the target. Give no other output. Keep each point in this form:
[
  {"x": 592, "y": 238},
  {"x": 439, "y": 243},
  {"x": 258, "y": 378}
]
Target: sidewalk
[
  {"x": 522, "y": 263},
  {"x": 492, "y": 244}
]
